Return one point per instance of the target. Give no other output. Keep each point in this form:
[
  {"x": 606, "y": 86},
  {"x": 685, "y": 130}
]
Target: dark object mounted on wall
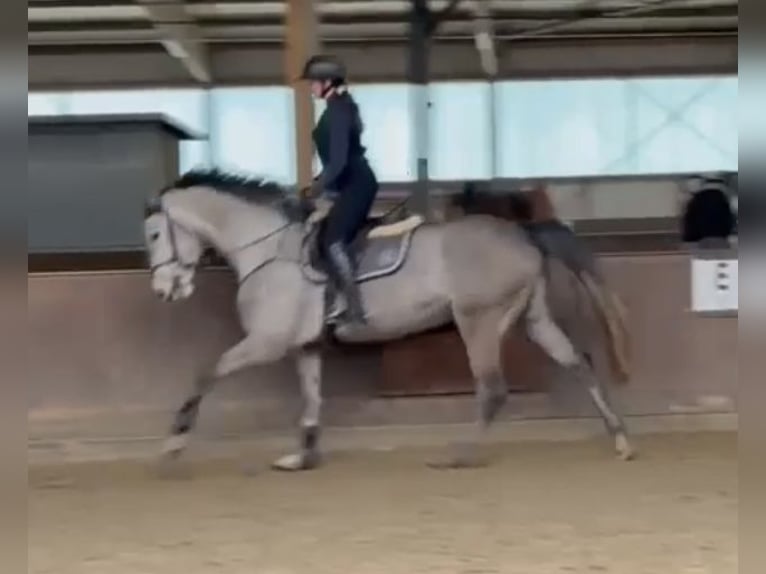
[{"x": 709, "y": 215}]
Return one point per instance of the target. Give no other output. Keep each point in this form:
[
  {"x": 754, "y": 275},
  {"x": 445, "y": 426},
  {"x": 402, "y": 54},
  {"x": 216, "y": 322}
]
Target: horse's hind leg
[
  {"x": 482, "y": 332},
  {"x": 614, "y": 423},
  {"x": 546, "y": 333}
]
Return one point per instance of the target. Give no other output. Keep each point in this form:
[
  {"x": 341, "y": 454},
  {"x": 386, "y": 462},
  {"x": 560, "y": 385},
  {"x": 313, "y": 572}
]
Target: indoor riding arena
[{"x": 610, "y": 120}]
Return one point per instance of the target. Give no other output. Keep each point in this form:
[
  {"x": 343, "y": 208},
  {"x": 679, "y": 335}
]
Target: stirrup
[
  {"x": 337, "y": 309},
  {"x": 341, "y": 314}
]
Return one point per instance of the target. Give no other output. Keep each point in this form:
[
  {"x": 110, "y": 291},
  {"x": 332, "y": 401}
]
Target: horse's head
[
  {"x": 173, "y": 252},
  {"x": 234, "y": 214}
]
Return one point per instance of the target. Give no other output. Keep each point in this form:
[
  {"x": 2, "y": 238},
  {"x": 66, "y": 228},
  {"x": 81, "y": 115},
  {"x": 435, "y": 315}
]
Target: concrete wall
[
  {"x": 108, "y": 360},
  {"x": 618, "y": 199}
]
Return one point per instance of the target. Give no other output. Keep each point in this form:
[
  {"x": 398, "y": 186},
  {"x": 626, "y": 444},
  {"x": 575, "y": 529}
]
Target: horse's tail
[
  {"x": 614, "y": 317},
  {"x": 556, "y": 241}
]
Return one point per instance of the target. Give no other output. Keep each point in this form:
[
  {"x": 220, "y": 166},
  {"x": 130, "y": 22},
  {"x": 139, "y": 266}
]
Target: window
[
  {"x": 683, "y": 125},
  {"x": 253, "y": 131},
  {"x": 460, "y": 131},
  {"x": 45, "y": 104},
  {"x": 559, "y": 128},
  {"x": 542, "y": 128},
  {"x": 601, "y": 127}
]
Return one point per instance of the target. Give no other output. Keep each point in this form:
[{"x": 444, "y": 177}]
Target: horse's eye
[{"x": 154, "y": 236}]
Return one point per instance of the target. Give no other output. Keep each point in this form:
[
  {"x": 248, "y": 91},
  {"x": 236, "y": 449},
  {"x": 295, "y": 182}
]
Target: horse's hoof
[
  {"x": 627, "y": 455},
  {"x": 625, "y": 450},
  {"x": 297, "y": 462}
]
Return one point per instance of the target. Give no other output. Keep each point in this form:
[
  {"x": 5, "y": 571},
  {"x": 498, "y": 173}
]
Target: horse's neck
[{"x": 227, "y": 223}]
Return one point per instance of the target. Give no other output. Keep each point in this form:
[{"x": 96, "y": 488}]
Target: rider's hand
[
  {"x": 322, "y": 207},
  {"x": 317, "y": 187}
]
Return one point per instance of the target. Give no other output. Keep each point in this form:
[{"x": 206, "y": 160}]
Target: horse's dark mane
[
  {"x": 249, "y": 188},
  {"x": 246, "y": 187}
]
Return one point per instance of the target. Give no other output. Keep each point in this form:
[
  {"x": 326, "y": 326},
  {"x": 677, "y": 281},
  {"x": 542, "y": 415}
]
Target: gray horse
[{"x": 480, "y": 272}]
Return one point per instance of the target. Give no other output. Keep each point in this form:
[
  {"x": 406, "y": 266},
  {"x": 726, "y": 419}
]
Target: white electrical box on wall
[{"x": 715, "y": 285}]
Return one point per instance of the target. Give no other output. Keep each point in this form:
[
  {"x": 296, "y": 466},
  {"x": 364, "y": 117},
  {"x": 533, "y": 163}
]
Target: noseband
[{"x": 175, "y": 256}]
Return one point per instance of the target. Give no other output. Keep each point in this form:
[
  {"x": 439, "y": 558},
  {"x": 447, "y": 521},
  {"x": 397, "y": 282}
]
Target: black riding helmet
[{"x": 324, "y": 68}]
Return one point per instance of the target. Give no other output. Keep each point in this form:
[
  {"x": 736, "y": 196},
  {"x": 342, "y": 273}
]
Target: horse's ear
[{"x": 152, "y": 206}]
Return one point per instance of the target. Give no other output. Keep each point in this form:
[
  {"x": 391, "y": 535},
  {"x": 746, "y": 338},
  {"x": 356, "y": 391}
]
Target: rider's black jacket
[{"x": 346, "y": 173}]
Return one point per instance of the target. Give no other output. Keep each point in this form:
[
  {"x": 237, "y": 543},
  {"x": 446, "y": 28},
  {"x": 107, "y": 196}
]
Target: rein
[
  {"x": 397, "y": 205},
  {"x": 175, "y": 257},
  {"x": 268, "y": 260}
]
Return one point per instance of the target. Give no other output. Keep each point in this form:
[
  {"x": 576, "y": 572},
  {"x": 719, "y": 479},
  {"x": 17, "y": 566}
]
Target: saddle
[{"x": 379, "y": 250}]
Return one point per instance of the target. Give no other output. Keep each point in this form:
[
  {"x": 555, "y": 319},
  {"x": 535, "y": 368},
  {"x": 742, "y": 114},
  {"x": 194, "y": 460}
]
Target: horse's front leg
[
  {"x": 244, "y": 354},
  {"x": 309, "y": 364}
]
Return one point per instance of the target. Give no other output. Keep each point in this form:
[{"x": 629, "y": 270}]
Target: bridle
[{"x": 175, "y": 254}]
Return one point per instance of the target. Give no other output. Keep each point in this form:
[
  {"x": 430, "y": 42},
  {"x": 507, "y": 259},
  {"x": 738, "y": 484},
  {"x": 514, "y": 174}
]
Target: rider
[{"x": 346, "y": 177}]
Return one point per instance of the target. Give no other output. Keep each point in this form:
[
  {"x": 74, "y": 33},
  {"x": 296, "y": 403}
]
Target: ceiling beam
[
  {"x": 180, "y": 35},
  {"x": 503, "y": 29},
  {"x": 302, "y": 41},
  {"x": 113, "y": 67},
  {"x": 484, "y": 37}
]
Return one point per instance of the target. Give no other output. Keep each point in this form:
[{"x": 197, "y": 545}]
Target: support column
[
  {"x": 301, "y": 43},
  {"x": 210, "y": 127},
  {"x": 485, "y": 44},
  {"x": 420, "y": 32},
  {"x": 494, "y": 164}
]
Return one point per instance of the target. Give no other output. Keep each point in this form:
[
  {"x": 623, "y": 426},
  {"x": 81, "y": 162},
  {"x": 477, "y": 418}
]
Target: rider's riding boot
[{"x": 344, "y": 272}]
